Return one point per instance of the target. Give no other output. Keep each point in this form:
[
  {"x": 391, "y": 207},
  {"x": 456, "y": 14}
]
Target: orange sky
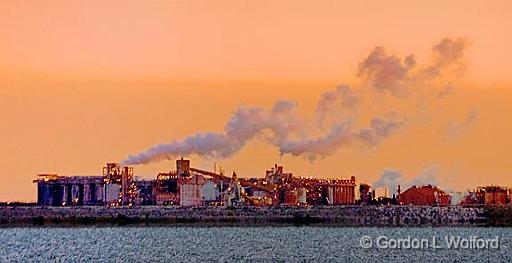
[{"x": 86, "y": 82}]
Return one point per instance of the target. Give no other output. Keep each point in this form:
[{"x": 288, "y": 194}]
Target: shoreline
[{"x": 321, "y": 216}]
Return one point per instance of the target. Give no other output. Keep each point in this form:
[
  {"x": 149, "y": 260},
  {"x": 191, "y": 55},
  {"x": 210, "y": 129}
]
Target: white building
[
  {"x": 190, "y": 191},
  {"x": 112, "y": 192},
  {"x": 210, "y": 192}
]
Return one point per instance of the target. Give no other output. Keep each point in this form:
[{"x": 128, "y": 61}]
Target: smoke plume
[
  {"x": 244, "y": 125},
  {"x": 282, "y": 122},
  {"x": 456, "y": 128},
  {"x": 389, "y": 179},
  {"x": 401, "y": 76},
  {"x": 293, "y": 135},
  {"x": 387, "y": 72},
  {"x": 427, "y": 177},
  {"x": 448, "y": 58},
  {"x": 381, "y": 128},
  {"x": 392, "y": 178},
  {"x": 335, "y": 102}
]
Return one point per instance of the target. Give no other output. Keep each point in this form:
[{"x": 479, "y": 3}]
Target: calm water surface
[{"x": 259, "y": 244}]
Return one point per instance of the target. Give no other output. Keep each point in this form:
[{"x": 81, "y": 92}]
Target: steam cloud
[
  {"x": 448, "y": 56},
  {"x": 454, "y": 128},
  {"x": 282, "y": 127},
  {"x": 282, "y": 121},
  {"x": 392, "y": 178},
  {"x": 387, "y": 72},
  {"x": 399, "y": 76},
  {"x": 335, "y": 102},
  {"x": 427, "y": 176}
]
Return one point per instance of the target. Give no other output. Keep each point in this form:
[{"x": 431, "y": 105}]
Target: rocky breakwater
[{"x": 382, "y": 216}]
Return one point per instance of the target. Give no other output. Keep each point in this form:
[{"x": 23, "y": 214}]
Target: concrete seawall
[{"x": 393, "y": 216}]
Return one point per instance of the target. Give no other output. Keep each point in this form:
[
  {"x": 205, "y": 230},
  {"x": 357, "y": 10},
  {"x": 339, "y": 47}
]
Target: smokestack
[
  {"x": 398, "y": 194},
  {"x": 183, "y": 167}
]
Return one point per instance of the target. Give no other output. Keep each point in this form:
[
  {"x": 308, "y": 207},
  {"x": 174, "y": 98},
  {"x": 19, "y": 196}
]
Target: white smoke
[
  {"x": 448, "y": 58},
  {"x": 282, "y": 122},
  {"x": 335, "y": 102},
  {"x": 243, "y": 126},
  {"x": 456, "y": 128},
  {"x": 387, "y": 72},
  {"x": 381, "y": 128},
  {"x": 282, "y": 127},
  {"x": 427, "y": 177},
  {"x": 401, "y": 76},
  {"x": 391, "y": 178}
]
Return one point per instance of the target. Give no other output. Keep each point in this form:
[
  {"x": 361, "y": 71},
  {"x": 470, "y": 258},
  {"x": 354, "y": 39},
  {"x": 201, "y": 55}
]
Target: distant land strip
[{"x": 329, "y": 216}]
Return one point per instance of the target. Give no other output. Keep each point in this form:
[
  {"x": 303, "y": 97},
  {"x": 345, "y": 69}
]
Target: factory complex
[{"x": 188, "y": 186}]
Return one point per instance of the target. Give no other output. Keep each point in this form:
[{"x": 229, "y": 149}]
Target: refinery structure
[{"x": 188, "y": 186}]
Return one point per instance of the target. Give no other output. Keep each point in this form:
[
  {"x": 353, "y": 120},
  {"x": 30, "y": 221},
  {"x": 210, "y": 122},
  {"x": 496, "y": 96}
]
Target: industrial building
[
  {"x": 188, "y": 186},
  {"x": 424, "y": 195},
  {"x": 291, "y": 190},
  {"x": 165, "y": 189},
  {"x": 191, "y": 193},
  {"x": 54, "y": 190},
  {"x": 488, "y": 195},
  {"x": 115, "y": 187},
  {"x": 364, "y": 194}
]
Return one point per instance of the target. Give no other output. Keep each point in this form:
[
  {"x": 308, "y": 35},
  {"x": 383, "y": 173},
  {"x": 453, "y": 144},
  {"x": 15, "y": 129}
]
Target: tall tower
[
  {"x": 183, "y": 167},
  {"x": 119, "y": 186},
  {"x": 112, "y": 172},
  {"x": 398, "y": 194}
]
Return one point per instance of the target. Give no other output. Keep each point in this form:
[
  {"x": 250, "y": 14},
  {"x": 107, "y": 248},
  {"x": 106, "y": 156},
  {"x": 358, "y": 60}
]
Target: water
[{"x": 251, "y": 244}]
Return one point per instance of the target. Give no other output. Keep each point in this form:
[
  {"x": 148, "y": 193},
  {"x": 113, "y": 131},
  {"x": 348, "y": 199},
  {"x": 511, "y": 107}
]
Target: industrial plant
[
  {"x": 188, "y": 186},
  {"x": 427, "y": 195}
]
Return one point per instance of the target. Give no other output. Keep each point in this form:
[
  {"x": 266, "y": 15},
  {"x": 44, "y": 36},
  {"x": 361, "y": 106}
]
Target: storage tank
[
  {"x": 112, "y": 193},
  {"x": 301, "y": 195}
]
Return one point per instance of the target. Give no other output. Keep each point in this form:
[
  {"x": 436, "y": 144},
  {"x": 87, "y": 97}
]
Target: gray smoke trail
[
  {"x": 455, "y": 128},
  {"x": 399, "y": 77},
  {"x": 335, "y": 101},
  {"x": 381, "y": 128},
  {"x": 427, "y": 176},
  {"x": 387, "y": 72},
  {"x": 392, "y": 178},
  {"x": 320, "y": 147},
  {"x": 448, "y": 56},
  {"x": 244, "y": 125},
  {"x": 247, "y": 123},
  {"x": 283, "y": 128}
]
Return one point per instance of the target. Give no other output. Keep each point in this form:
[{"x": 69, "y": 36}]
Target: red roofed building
[{"x": 424, "y": 195}]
